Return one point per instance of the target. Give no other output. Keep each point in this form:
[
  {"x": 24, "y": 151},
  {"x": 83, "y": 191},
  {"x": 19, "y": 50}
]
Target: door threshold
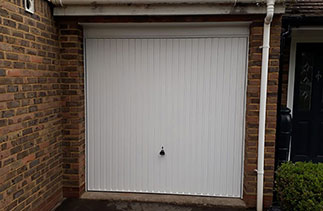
[{"x": 179, "y": 200}]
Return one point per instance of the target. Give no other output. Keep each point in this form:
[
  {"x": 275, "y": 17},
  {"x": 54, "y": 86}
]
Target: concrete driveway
[
  {"x": 109, "y": 201},
  {"x": 102, "y": 205}
]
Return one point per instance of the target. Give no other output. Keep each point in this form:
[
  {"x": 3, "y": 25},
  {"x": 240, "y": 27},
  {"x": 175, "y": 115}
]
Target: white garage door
[{"x": 154, "y": 89}]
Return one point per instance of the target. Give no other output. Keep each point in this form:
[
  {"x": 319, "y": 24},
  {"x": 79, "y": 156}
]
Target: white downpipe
[{"x": 263, "y": 102}]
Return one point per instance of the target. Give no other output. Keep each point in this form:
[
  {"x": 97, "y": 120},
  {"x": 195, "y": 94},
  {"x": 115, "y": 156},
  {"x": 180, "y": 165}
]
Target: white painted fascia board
[
  {"x": 165, "y": 30},
  {"x": 161, "y": 7},
  {"x": 165, "y": 9},
  {"x": 116, "y": 2}
]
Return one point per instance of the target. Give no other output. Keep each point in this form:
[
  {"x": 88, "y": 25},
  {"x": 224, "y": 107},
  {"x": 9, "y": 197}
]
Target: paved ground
[
  {"x": 104, "y": 205},
  {"x": 109, "y": 201}
]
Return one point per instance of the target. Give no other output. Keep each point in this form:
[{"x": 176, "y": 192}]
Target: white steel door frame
[{"x": 164, "y": 30}]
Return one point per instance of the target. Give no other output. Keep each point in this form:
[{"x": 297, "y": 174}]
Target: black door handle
[{"x": 162, "y": 152}]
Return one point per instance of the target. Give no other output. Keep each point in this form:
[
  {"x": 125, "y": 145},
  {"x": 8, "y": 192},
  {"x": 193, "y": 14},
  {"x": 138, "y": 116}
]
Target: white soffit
[
  {"x": 165, "y": 30},
  {"x": 163, "y": 9}
]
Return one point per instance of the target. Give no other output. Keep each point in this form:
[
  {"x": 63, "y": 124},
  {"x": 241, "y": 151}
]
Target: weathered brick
[
  {"x": 21, "y": 111},
  {"x": 8, "y": 113},
  {"x": 2, "y": 89},
  {"x": 26, "y": 87},
  {"x": 2, "y": 72},
  {"x": 4, "y": 30},
  {"x": 12, "y": 88},
  {"x": 4, "y": 186},
  {"x": 19, "y": 96},
  {"x": 10, "y": 23},
  {"x": 33, "y": 163},
  {"x": 13, "y": 104},
  {"x": 21, "y": 155},
  {"x": 4, "y": 13},
  {"x": 23, "y": 27},
  {"x": 19, "y": 65},
  {"x": 32, "y": 108},
  {"x": 11, "y": 205},
  {"x": 3, "y": 122},
  {"x": 40, "y": 26},
  {"x": 27, "y": 131},
  {"x": 31, "y": 94},
  {"x": 17, "y": 179},
  {"x": 30, "y": 37},
  {"x": 18, "y": 34},
  {"x": 35, "y": 176},
  {"x": 11, "y": 56},
  {"x": 6, "y": 97},
  {"x": 8, "y": 161},
  {"x": 17, "y": 194},
  {"x": 17, "y": 17},
  {"x": 21, "y": 169}
]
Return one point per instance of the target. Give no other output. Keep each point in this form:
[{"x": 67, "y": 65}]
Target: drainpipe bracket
[
  {"x": 264, "y": 46},
  {"x": 260, "y": 172}
]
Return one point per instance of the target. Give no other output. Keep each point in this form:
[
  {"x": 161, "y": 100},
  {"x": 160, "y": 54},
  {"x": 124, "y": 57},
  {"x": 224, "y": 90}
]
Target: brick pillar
[
  {"x": 72, "y": 85},
  {"x": 252, "y": 113}
]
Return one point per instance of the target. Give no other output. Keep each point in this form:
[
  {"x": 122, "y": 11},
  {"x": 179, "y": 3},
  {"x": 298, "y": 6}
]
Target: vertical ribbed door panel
[{"x": 186, "y": 95}]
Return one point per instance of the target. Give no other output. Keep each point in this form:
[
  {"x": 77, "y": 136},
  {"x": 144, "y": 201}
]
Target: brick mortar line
[
  {"x": 20, "y": 123},
  {"x": 20, "y": 100},
  {"x": 29, "y": 33},
  {"x": 31, "y": 41},
  {"x": 30, "y": 55}
]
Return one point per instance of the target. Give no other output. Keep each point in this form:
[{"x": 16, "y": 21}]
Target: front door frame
[{"x": 299, "y": 35}]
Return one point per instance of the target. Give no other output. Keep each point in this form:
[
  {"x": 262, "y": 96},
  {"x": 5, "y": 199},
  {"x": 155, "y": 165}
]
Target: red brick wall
[
  {"x": 69, "y": 30},
  {"x": 42, "y": 104},
  {"x": 30, "y": 108},
  {"x": 253, "y": 95},
  {"x": 73, "y": 109}
]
